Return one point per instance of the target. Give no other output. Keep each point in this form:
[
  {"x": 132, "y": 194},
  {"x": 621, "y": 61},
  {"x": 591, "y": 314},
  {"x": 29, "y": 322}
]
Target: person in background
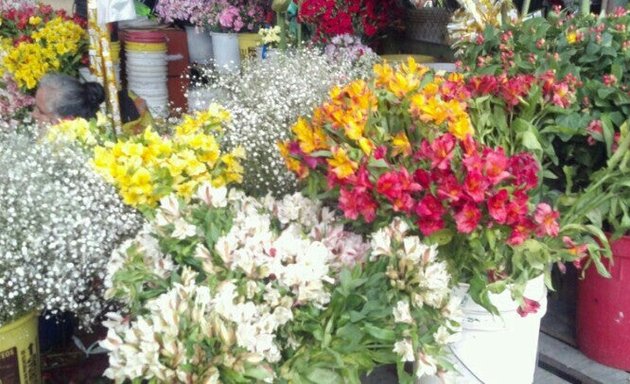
[{"x": 61, "y": 97}]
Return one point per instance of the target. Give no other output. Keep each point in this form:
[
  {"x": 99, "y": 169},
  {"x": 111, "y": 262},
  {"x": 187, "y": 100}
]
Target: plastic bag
[{"x": 115, "y": 10}]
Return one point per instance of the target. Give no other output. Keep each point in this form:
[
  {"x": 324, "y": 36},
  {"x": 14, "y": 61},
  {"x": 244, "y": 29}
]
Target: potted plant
[
  {"x": 60, "y": 223},
  {"x": 400, "y": 145},
  {"x": 227, "y": 20},
  {"x": 191, "y": 15},
  {"x": 579, "y": 140},
  {"x": 235, "y": 289}
]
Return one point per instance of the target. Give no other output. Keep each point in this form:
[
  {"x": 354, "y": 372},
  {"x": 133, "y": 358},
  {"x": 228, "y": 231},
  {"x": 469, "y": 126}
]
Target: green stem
[
  {"x": 585, "y": 7},
  {"x": 525, "y": 8},
  {"x": 281, "y": 19}
]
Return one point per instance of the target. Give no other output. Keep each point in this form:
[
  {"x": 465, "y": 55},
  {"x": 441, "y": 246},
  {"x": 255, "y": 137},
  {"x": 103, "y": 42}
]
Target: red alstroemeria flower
[
  {"x": 517, "y": 207},
  {"x": 449, "y": 188},
  {"x": 429, "y": 211},
  {"x": 579, "y": 251},
  {"x": 546, "y": 218},
  {"x": 354, "y": 203},
  {"x": 498, "y": 206},
  {"x": 521, "y": 231},
  {"x": 483, "y": 85},
  {"x": 528, "y": 306},
  {"x": 441, "y": 151},
  {"x": 496, "y": 165},
  {"x": 475, "y": 186},
  {"x": 467, "y": 218},
  {"x": 524, "y": 167},
  {"x": 422, "y": 177}
]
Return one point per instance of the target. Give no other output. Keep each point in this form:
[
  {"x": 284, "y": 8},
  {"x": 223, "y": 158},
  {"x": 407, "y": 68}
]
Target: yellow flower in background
[
  {"x": 572, "y": 37},
  {"x": 57, "y": 46},
  {"x": 341, "y": 164},
  {"x": 79, "y": 130},
  {"x": 34, "y": 20}
]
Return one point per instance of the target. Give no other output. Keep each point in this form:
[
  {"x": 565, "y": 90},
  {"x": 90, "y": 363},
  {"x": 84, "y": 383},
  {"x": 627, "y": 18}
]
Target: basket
[{"x": 428, "y": 24}]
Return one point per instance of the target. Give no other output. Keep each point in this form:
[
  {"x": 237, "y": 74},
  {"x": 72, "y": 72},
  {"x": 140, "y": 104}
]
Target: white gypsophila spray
[
  {"x": 60, "y": 222},
  {"x": 266, "y": 99}
]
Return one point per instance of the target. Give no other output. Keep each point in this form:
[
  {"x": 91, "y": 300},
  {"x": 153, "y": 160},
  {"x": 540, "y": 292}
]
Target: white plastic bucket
[
  {"x": 199, "y": 45},
  {"x": 227, "y": 54},
  {"x": 498, "y": 349}
]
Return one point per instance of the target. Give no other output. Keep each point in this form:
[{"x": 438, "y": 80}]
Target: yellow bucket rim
[
  {"x": 18, "y": 322},
  {"x": 159, "y": 47}
]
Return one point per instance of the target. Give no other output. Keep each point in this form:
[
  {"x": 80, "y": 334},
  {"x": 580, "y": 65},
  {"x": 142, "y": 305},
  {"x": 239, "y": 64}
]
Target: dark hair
[{"x": 68, "y": 97}]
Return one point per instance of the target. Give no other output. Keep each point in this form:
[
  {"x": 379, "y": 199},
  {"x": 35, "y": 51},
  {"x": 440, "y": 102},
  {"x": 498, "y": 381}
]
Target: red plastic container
[
  {"x": 144, "y": 36},
  {"x": 603, "y": 311}
]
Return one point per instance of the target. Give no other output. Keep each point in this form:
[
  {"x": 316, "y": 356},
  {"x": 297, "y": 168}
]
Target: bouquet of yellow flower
[
  {"x": 147, "y": 167},
  {"x": 56, "y": 45}
]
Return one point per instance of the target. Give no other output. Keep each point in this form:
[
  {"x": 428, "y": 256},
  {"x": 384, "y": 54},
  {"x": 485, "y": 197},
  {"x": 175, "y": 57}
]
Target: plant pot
[
  {"x": 199, "y": 45},
  {"x": 247, "y": 44},
  {"x": 226, "y": 51},
  {"x": 428, "y": 24},
  {"x": 497, "y": 349},
  {"x": 19, "y": 351},
  {"x": 603, "y": 310}
]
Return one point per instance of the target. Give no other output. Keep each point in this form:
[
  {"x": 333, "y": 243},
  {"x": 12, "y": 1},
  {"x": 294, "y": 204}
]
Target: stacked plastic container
[{"x": 146, "y": 68}]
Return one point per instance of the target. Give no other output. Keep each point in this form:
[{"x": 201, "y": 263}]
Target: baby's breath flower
[{"x": 60, "y": 222}]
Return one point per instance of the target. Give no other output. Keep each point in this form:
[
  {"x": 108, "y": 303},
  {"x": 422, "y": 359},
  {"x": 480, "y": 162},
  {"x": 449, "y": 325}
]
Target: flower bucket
[
  {"x": 199, "y": 45},
  {"x": 226, "y": 51},
  {"x": 247, "y": 44},
  {"x": 19, "y": 351},
  {"x": 498, "y": 349},
  {"x": 603, "y": 310}
]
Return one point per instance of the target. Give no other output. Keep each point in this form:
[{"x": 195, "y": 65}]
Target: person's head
[{"x": 61, "y": 96}]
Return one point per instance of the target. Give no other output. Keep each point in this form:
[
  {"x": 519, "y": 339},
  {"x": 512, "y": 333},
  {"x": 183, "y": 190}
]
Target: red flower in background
[{"x": 366, "y": 18}]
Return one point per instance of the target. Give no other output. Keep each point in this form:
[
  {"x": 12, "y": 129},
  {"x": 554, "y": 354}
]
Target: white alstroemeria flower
[
  {"x": 214, "y": 197},
  {"x": 398, "y": 228},
  {"x": 203, "y": 254},
  {"x": 183, "y": 230},
  {"x": 414, "y": 248},
  {"x": 402, "y": 313},
  {"x": 169, "y": 206},
  {"x": 426, "y": 365},
  {"x": 404, "y": 349},
  {"x": 282, "y": 315},
  {"x": 225, "y": 247},
  {"x": 443, "y": 336},
  {"x": 381, "y": 243},
  {"x": 436, "y": 277}
]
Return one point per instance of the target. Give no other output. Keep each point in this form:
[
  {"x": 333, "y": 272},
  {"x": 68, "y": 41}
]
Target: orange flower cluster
[{"x": 397, "y": 105}]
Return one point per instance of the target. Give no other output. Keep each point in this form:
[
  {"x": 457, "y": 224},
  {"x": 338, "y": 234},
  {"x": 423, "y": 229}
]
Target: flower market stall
[{"x": 319, "y": 213}]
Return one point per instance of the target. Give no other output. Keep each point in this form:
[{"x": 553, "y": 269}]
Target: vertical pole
[{"x": 101, "y": 64}]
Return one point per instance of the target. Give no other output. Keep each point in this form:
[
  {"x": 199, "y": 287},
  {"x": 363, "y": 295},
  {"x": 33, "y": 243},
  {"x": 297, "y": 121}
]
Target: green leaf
[
  {"x": 324, "y": 376},
  {"x": 530, "y": 141},
  {"x": 380, "y": 333}
]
